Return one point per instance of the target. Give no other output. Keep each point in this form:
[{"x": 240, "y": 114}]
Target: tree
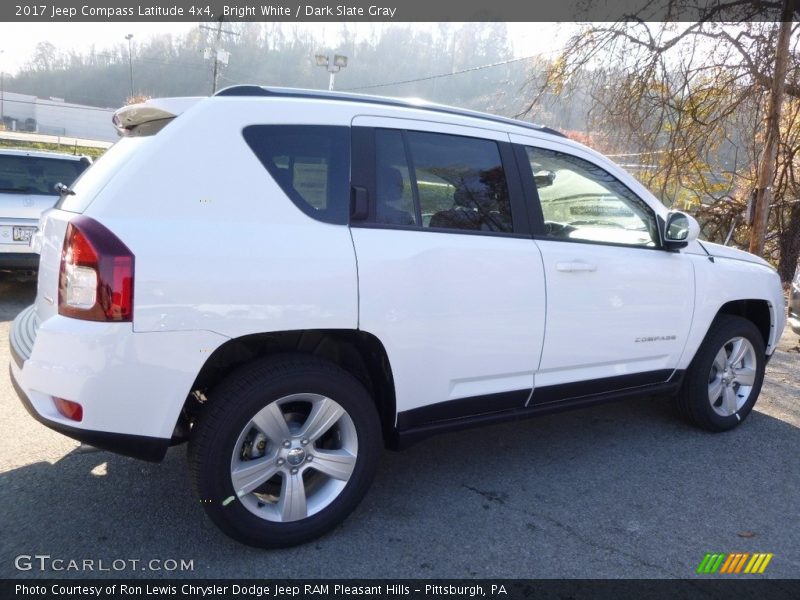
[
  {"x": 45, "y": 57},
  {"x": 688, "y": 102},
  {"x": 766, "y": 169}
]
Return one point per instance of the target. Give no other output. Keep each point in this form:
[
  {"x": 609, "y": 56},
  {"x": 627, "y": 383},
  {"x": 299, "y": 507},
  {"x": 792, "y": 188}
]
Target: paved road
[{"x": 624, "y": 490}]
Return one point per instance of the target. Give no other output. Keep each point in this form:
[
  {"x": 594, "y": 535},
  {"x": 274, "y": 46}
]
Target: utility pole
[
  {"x": 216, "y": 53},
  {"x": 766, "y": 169},
  {"x": 129, "y": 37}
]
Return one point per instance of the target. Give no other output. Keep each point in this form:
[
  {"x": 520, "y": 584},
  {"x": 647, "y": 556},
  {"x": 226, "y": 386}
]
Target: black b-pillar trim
[{"x": 362, "y": 168}]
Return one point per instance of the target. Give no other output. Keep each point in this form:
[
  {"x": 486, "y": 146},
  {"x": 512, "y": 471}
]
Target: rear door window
[
  {"x": 440, "y": 181},
  {"x": 461, "y": 182}
]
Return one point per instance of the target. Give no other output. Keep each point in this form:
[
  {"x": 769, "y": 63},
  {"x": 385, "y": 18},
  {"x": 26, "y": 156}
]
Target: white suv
[{"x": 292, "y": 280}]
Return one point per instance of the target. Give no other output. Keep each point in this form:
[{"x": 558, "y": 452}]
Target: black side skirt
[{"x": 419, "y": 423}]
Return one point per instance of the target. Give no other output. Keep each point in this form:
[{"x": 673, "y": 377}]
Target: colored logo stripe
[
  {"x": 758, "y": 563},
  {"x": 710, "y": 563},
  {"x": 734, "y": 562}
]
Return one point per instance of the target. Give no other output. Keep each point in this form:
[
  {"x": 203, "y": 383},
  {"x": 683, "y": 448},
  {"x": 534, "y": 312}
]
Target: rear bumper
[
  {"x": 132, "y": 386},
  {"x": 22, "y": 335},
  {"x": 135, "y": 446},
  {"x": 21, "y": 341}
]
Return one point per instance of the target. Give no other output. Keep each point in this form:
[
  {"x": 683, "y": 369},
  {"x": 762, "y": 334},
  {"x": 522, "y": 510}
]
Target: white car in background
[{"x": 28, "y": 182}]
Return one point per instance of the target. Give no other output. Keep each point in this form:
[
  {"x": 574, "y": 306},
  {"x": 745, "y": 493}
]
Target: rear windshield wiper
[
  {"x": 64, "y": 190},
  {"x": 20, "y": 190}
]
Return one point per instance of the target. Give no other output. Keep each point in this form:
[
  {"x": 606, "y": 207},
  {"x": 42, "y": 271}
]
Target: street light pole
[
  {"x": 339, "y": 63},
  {"x": 129, "y": 37}
]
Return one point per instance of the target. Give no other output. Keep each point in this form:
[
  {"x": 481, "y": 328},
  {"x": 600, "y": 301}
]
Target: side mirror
[
  {"x": 679, "y": 230},
  {"x": 544, "y": 178}
]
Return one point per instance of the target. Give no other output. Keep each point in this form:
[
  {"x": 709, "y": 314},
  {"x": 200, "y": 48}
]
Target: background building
[{"x": 53, "y": 116}]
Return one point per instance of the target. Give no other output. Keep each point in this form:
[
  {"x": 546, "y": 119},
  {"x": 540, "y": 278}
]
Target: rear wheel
[
  {"x": 285, "y": 450},
  {"x": 725, "y": 377}
]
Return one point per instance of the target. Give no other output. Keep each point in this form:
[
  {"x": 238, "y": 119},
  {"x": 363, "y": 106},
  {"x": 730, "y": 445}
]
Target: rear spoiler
[{"x": 148, "y": 118}]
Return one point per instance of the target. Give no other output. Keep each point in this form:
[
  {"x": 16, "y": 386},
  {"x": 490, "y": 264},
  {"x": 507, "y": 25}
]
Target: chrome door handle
[{"x": 574, "y": 266}]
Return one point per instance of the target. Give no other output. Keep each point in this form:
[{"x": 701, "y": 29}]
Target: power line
[
  {"x": 153, "y": 60},
  {"x": 118, "y": 60},
  {"x": 428, "y": 78}
]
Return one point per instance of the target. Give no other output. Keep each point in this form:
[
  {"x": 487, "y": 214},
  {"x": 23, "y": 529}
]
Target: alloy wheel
[
  {"x": 294, "y": 457},
  {"x": 732, "y": 375}
]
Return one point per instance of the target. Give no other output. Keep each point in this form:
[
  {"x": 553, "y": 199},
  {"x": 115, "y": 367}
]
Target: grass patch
[{"x": 93, "y": 153}]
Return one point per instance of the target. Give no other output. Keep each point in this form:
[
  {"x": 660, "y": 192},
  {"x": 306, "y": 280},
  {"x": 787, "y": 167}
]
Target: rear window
[
  {"x": 311, "y": 163},
  {"x": 35, "y": 175}
]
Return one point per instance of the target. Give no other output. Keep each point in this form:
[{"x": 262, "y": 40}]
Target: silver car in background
[{"x": 27, "y": 188}]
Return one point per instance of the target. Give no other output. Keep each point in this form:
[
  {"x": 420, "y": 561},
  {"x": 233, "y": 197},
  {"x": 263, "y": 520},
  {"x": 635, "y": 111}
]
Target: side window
[
  {"x": 311, "y": 163},
  {"x": 394, "y": 197},
  {"x": 461, "y": 182},
  {"x": 452, "y": 182},
  {"x": 581, "y": 201}
]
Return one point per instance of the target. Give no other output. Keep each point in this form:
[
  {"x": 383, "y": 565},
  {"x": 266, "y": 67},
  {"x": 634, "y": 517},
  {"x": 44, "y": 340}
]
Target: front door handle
[{"x": 574, "y": 266}]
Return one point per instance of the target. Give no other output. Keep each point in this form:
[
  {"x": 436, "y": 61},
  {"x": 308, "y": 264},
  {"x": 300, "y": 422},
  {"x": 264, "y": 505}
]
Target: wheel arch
[
  {"x": 359, "y": 353},
  {"x": 757, "y": 311}
]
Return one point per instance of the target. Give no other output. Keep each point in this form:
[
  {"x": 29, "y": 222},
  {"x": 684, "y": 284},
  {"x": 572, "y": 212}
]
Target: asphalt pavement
[{"x": 621, "y": 490}]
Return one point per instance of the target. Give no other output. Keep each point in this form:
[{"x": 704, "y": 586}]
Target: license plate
[{"x": 23, "y": 234}]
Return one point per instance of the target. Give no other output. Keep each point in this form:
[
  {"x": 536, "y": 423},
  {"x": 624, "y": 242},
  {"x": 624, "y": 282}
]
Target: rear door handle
[{"x": 574, "y": 266}]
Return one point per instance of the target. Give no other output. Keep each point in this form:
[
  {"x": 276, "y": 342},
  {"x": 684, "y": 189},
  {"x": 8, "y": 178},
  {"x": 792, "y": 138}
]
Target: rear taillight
[{"x": 96, "y": 277}]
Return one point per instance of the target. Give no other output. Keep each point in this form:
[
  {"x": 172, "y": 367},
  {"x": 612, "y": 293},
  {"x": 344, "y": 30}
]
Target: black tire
[
  {"x": 230, "y": 407},
  {"x": 692, "y": 402}
]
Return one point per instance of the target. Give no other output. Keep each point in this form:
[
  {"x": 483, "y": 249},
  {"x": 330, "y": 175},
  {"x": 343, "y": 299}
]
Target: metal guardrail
[{"x": 67, "y": 142}]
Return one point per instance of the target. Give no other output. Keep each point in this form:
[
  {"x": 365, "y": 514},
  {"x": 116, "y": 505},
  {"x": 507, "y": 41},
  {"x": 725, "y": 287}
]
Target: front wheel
[
  {"x": 285, "y": 450},
  {"x": 725, "y": 377}
]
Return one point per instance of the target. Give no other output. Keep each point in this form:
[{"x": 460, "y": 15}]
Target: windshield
[{"x": 35, "y": 175}]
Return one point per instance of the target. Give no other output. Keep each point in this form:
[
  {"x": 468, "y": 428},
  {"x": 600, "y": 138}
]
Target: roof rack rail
[{"x": 279, "y": 92}]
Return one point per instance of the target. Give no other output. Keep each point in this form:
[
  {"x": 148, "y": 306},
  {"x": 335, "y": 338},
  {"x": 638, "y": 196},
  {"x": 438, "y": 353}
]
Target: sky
[{"x": 17, "y": 41}]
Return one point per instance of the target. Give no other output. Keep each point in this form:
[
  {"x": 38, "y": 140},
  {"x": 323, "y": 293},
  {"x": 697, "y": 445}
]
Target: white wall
[
  {"x": 75, "y": 120},
  {"x": 19, "y": 106}
]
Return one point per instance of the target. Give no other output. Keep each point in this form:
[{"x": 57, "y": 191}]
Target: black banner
[
  {"x": 407, "y": 589},
  {"x": 387, "y": 10}
]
